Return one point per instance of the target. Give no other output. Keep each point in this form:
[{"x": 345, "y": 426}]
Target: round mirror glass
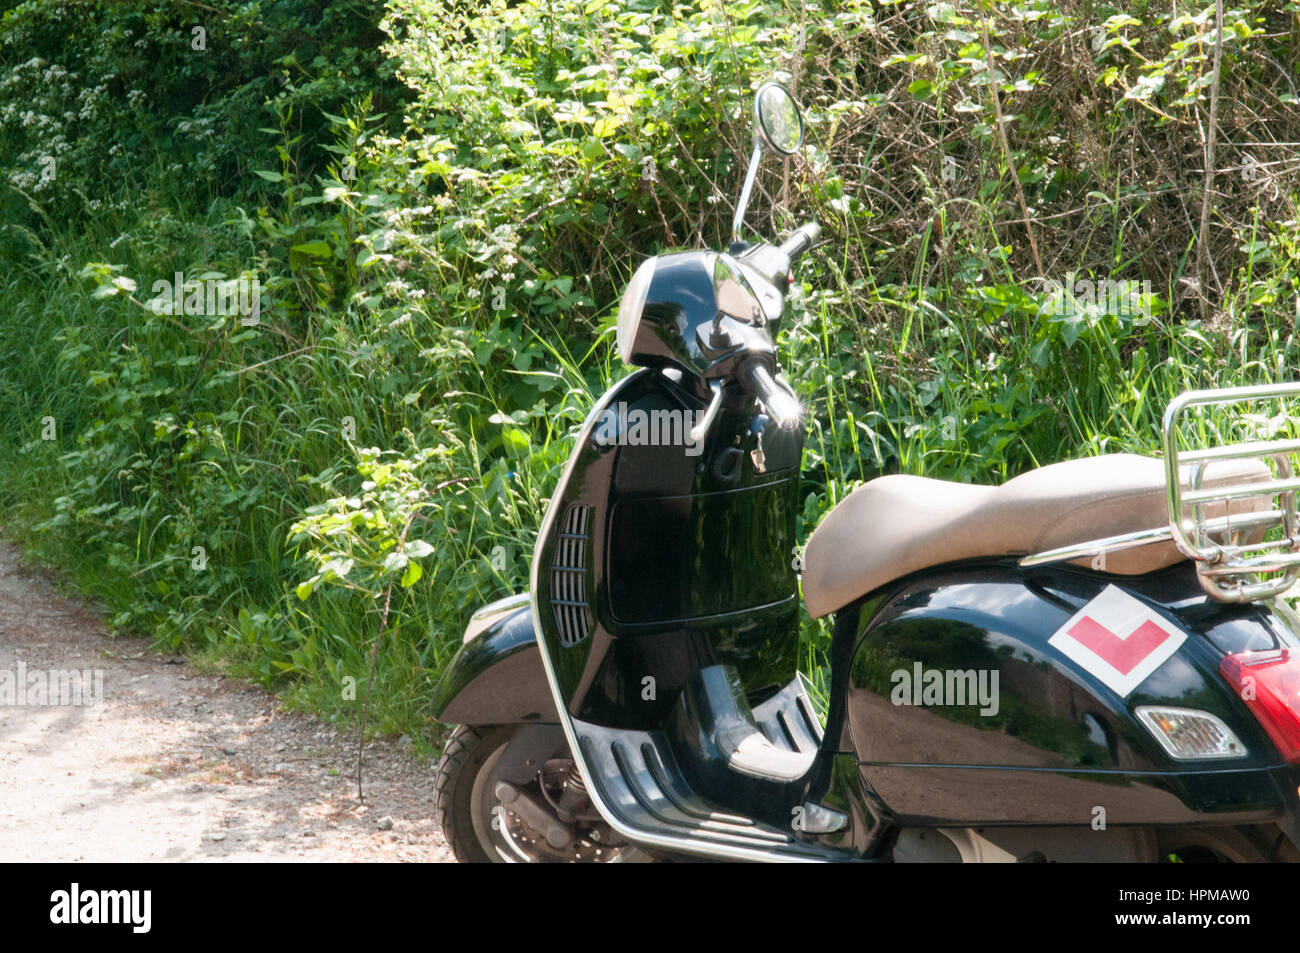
[{"x": 779, "y": 121}]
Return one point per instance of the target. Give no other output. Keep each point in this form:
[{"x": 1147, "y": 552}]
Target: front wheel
[{"x": 549, "y": 819}]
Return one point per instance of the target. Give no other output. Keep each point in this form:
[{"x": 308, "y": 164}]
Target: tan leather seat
[{"x": 895, "y": 525}]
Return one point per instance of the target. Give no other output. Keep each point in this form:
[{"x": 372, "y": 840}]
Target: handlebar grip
[
  {"x": 781, "y": 405},
  {"x": 801, "y": 240}
]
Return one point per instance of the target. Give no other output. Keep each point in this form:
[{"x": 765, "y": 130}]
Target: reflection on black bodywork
[{"x": 1063, "y": 742}]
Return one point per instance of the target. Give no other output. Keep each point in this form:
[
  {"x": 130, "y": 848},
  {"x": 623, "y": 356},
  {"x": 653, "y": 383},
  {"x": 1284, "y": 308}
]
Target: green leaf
[
  {"x": 339, "y": 567},
  {"x": 606, "y": 126},
  {"x": 412, "y": 575},
  {"x": 1041, "y": 352},
  {"x": 318, "y": 248},
  {"x": 417, "y": 549},
  {"x": 269, "y": 176},
  {"x": 515, "y": 439}
]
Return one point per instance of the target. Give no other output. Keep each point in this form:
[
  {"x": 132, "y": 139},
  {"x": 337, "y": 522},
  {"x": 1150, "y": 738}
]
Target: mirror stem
[{"x": 739, "y": 218}]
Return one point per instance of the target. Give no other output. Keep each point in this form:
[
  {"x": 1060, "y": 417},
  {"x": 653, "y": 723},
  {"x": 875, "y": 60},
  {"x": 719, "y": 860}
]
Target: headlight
[{"x": 630, "y": 308}]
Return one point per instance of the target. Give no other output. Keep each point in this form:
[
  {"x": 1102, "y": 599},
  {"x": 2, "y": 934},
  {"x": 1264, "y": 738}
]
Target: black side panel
[
  {"x": 497, "y": 678},
  {"x": 660, "y": 558},
  {"x": 1058, "y": 744}
]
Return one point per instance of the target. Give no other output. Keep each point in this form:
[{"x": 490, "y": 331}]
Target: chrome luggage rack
[{"x": 1240, "y": 557}]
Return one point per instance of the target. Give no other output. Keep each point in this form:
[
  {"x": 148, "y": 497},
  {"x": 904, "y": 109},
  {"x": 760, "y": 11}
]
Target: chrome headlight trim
[{"x": 630, "y": 308}]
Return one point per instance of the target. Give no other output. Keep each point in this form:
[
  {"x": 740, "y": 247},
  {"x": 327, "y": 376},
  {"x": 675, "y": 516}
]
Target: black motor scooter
[{"x": 1091, "y": 661}]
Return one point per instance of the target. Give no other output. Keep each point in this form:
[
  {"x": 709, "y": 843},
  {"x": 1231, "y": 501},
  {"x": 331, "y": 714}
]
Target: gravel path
[{"x": 172, "y": 764}]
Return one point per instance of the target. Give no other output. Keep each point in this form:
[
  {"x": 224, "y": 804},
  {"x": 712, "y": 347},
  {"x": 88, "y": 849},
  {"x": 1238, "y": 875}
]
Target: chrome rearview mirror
[
  {"x": 777, "y": 120},
  {"x": 778, "y": 126}
]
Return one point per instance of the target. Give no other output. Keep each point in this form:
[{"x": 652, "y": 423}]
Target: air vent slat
[{"x": 568, "y": 576}]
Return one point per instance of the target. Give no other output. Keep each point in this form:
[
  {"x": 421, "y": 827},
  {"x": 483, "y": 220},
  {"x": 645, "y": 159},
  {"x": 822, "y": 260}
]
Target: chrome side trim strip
[
  {"x": 1144, "y": 537},
  {"x": 1095, "y": 547}
]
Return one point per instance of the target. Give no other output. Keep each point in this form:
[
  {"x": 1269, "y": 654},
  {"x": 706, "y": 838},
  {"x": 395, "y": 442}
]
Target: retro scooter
[{"x": 1091, "y": 661}]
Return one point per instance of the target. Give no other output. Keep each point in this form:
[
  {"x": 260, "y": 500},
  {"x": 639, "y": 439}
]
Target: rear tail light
[{"x": 1269, "y": 684}]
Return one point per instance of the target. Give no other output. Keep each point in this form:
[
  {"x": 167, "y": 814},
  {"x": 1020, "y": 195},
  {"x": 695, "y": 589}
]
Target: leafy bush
[
  {"x": 439, "y": 265},
  {"x": 104, "y": 100}
]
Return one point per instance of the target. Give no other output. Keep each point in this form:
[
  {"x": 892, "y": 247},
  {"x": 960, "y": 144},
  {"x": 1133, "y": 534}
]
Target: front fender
[{"x": 496, "y": 677}]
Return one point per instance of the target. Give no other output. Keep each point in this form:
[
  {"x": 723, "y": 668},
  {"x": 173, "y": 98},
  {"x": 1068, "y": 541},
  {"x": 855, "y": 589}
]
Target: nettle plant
[{"x": 365, "y": 542}]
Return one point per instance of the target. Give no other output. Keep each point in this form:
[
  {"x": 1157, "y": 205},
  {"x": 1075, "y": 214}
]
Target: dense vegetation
[{"x": 440, "y": 202}]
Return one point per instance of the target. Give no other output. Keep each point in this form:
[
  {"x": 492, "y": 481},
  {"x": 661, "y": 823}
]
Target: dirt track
[{"x": 176, "y": 765}]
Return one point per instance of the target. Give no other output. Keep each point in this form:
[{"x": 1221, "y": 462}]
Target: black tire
[
  {"x": 468, "y": 749},
  {"x": 1261, "y": 844},
  {"x": 482, "y": 830}
]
